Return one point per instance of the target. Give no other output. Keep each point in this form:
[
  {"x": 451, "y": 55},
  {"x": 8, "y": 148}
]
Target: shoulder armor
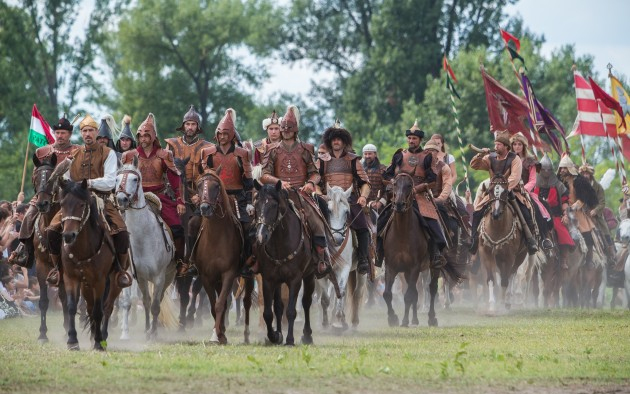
[
  {"x": 308, "y": 147},
  {"x": 350, "y": 156},
  {"x": 209, "y": 150},
  {"x": 44, "y": 151},
  {"x": 127, "y": 157},
  {"x": 241, "y": 152}
]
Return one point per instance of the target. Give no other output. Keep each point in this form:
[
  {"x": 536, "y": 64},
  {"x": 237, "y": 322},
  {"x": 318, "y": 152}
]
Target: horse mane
[
  {"x": 225, "y": 200},
  {"x": 336, "y": 200},
  {"x": 75, "y": 189}
]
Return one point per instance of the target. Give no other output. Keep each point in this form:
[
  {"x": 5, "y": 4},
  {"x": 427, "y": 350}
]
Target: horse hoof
[
  {"x": 42, "y": 341},
  {"x": 393, "y": 321},
  {"x": 405, "y": 324},
  {"x": 124, "y": 336},
  {"x": 415, "y": 322},
  {"x": 307, "y": 340},
  {"x": 291, "y": 344},
  {"x": 214, "y": 338},
  {"x": 73, "y": 346},
  {"x": 433, "y": 322}
]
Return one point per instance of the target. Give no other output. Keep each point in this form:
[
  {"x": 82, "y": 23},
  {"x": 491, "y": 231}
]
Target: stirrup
[
  {"x": 123, "y": 279},
  {"x": 547, "y": 244},
  {"x": 363, "y": 267},
  {"x": 53, "y": 278},
  {"x": 322, "y": 269}
]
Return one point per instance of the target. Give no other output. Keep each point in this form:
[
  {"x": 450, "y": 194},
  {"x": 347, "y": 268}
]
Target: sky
[{"x": 599, "y": 28}]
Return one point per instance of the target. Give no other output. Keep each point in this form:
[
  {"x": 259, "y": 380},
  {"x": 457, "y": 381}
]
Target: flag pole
[
  {"x": 24, "y": 169},
  {"x": 622, "y": 175}
]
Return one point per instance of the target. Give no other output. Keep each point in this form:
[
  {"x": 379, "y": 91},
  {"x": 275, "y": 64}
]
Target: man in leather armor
[
  {"x": 417, "y": 163},
  {"x": 272, "y": 126},
  {"x": 62, "y": 148},
  {"x": 291, "y": 162},
  {"x": 160, "y": 175},
  {"x": 98, "y": 165},
  {"x": 441, "y": 189},
  {"x": 344, "y": 169},
  {"x": 374, "y": 170},
  {"x": 508, "y": 164}
]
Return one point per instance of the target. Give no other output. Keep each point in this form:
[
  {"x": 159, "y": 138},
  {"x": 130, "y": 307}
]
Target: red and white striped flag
[{"x": 589, "y": 120}]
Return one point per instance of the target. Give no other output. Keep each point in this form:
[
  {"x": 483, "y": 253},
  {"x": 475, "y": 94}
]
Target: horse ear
[
  {"x": 36, "y": 160},
  {"x": 219, "y": 169},
  {"x": 200, "y": 168},
  {"x": 84, "y": 184},
  {"x": 135, "y": 161},
  {"x": 53, "y": 160},
  {"x": 348, "y": 192},
  {"x": 257, "y": 184},
  {"x": 279, "y": 185}
]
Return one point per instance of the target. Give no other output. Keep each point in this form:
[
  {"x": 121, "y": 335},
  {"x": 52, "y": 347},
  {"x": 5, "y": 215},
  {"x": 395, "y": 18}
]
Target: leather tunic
[
  {"x": 89, "y": 163},
  {"x": 412, "y": 164},
  {"x": 182, "y": 150},
  {"x": 375, "y": 176},
  {"x": 338, "y": 172},
  {"x": 46, "y": 151},
  {"x": 295, "y": 166},
  {"x": 234, "y": 165},
  {"x": 152, "y": 168}
]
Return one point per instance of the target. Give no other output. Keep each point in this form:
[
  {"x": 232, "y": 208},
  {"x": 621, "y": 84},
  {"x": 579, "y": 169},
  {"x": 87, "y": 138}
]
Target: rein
[
  {"x": 273, "y": 226},
  {"x": 85, "y": 215},
  {"x": 122, "y": 188},
  {"x": 409, "y": 198},
  {"x": 205, "y": 178}
]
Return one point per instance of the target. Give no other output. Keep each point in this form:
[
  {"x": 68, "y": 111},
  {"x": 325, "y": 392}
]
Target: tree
[{"x": 167, "y": 54}]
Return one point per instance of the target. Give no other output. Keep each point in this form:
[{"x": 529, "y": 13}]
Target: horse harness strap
[
  {"x": 293, "y": 254},
  {"x": 343, "y": 245}
]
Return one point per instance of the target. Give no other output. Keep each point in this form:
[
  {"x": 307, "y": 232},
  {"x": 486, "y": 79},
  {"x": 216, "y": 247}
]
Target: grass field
[{"x": 560, "y": 351}]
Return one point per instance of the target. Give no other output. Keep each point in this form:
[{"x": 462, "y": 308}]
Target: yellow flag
[{"x": 620, "y": 94}]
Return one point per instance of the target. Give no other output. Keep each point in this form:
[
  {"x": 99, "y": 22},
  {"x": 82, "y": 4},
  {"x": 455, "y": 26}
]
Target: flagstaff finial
[{"x": 609, "y": 67}]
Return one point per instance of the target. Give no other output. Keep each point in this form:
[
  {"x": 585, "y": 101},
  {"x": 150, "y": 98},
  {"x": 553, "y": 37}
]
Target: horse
[
  {"x": 152, "y": 247},
  {"x": 345, "y": 263},
  {"x": 87, "y": 258},
  {"x": 624, "y": 236},
  {"x": 217, "y": 250},
  {"x": 285, "y": 256},
  {"x": 501, "y": 240},
  {"x": 406, "y": 248},
  {"x": 47, "y": 206}
]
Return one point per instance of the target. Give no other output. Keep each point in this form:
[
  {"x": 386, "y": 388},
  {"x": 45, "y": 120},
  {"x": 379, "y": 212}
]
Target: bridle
[
  {"x": 85, "y": 215},
  {"x": 204, "y": 193},
  {"x": 44, "y": 186},
  {"x": 271, "y": 227},
  {"x": 408, "y": 198},
  {"x": 122, "y": 188}
]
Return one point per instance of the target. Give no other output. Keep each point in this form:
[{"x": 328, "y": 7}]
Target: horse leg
[
  {"x": 43, "y": 309},
  {"x": 72, "y": 300},
  {"x": 183, "y": 286},
  {"x": 247, "y": 304},
  {"x": 325, "y": 301},
  {"x": 143, "y": 285},
  {"x": 156, "y": 300},
  {"x": 357, "y": 298},
  {"x": 294, "y": 289},
  {"x": 307, "y": 300},
  {"x": 192, "y": 308},
  {"x": 390, "y": 276},
  {"x": 278, "y": 309},
  {"x": 125, "y": 305},
  {"x": 268, "y": 298},
  {"x": 96, "y": 315},
  {"x": 409, "y": 296},
  {"x": 227, "y": 280}
]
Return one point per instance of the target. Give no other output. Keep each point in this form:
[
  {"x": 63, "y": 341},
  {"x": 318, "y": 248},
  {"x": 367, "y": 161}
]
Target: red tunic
[{"x": 564, "y": 238}]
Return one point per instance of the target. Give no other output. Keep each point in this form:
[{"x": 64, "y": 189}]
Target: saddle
[{"x": 155, "y": 205}]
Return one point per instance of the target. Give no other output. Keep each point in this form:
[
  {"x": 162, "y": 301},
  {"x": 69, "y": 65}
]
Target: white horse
[
  {"x": 624, "y": 236},
  {"x": 152, "y": 247},
  {"x": 345, "y": 263}
]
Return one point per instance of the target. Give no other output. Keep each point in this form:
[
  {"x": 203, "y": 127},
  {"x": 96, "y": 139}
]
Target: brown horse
[
  {"x": 285, "y": 255},
  {"x": 87, "y": 258},
  {"x": 217, "y": 251},
  {"x": 406, "y": 247},
  {"x": 47, "y": 206},
  {"x": 501, "y": 240}
]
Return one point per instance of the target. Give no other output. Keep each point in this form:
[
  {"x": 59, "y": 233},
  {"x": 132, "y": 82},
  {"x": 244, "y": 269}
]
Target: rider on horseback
[
  {"x": 97, "y": 164},
  {"x": 417, "y": 163},
  {"x": 508, "y": 164},
  {"x": 272, "y": 126},
  {"x": 374, "y": 170},
  {"x": 291, "y": 161},
  {"x": 24, "y": 254},
  {"x": 344, "y": 169},
  {"x": 126, "y": 141},
  {"x": 161, "y": 177},
  {"x": 236, "y": 174}
]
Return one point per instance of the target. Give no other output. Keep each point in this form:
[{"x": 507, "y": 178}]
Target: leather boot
[
  {"x": 363, "y": 240},
  {"x": 437, "y": 259},
  {"x": 54, "y": 276},
  {"x": 123, "y": 278},
  {"x": 20, "y": 256},
  {"x": 474, "y": 237},
  {"x": 323, "y": 266}
]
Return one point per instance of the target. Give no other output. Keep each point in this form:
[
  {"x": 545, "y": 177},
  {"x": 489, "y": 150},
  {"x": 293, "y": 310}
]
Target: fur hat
[
  {"x": 227, "y": 124},
  {"x": 587, "y": 168},
  {"x": 88, "y": 121},
  {"x": 415, "y": 130},
  {"x": 291, "y": 120},
  {"x": 520, "y": 138},
  {"x": 149, "y": 126},
  {"x": 63, "y": 124},
  {"x": 566, "y": 162},
  {"x": 273, "y": 119},
  {"x": 336, "y": 131},
  {"x": 191, "y": 116},
  {"x": 503, "y": 137},
  {"x": 432, "y": 144}
]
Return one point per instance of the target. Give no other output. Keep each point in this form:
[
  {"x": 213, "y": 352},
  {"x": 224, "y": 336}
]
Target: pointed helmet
[
  {"x": 227, "y": 124},
  {"x": 414, "y": 130},
  {"x": 566, "y": 162},
  {"x": 291, "y": 120},
  {"x": 191, "y": 116},
  {"x": 149, "y": 126},
  {"x": 88, "y": 121}
]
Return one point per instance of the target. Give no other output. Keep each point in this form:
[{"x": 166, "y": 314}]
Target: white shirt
[{"x": 108, "y": 181}]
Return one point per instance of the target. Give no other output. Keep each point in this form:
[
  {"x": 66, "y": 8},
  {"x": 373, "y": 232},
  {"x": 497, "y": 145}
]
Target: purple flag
[{"x": 542, "y": 119}]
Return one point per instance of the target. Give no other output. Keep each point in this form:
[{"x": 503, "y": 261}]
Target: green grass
[{"x": 553, "y": 351}]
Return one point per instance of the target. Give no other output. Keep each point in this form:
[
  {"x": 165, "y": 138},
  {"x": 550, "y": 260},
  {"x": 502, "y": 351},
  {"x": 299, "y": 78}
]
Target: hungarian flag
[
  {"x": 510, "y": 40},
  {"x": 589, "y": 119},
  {"x": 506, "y": 111},
  {"x": 450, "y": 77},
  {"x": 39, "y": 133},
  {"x": 620, "y": 94}
]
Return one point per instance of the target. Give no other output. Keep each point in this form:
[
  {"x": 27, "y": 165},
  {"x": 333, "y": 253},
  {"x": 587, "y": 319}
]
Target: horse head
[
  {"x": 75, "y": 209},
  {"x": 339, "y": 210},
  {"x": 44, "y": 190},
  {"x": 211, "y": 192},
  {"x": 402, "y": 187},
  {"x": 498, "y": 191},
  {"x": 129, "y": 185},
  {"x": 624, "y": 230},
  {"x": 270, "y": 207}
]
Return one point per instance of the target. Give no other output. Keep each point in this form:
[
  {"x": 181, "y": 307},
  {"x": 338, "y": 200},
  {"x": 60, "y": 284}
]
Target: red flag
[
  {"x": 448, "y": 69},
  {"x": 608, "y": 100},
  {"x": 589, "y": 120},
  {"x": 507, "y": 37},
  {"x": 625, "y": 145}
]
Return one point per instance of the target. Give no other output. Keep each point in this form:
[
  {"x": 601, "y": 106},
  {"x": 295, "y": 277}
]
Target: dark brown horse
[
  {"x": 406, "y": 249},
  {"x": 284, "y": 252},
  {"x": 217, "y": 251},
  {"x": 501, "y": 240},
  {"x": 87, "y": 257},
  {"x": 47, "y": 206}
]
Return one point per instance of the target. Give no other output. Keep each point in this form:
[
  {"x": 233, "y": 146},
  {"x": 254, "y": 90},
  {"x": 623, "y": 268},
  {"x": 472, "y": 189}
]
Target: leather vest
[
  {"x": 231, "y": 169},
  {"x": 182, "y": 150},
  {"x": 502, "y": 167},
  {"x": 89, "y": 164},
  {"x": 46, "y": 151},
  {"x": 338, "y": 172},
  {"x": 290, "y": 166},
  {"x": 375, "y": 175},
  {"x": 413, "y": 164}
]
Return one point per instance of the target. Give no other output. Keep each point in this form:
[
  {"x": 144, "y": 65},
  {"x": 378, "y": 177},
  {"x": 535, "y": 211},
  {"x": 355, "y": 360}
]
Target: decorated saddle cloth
[{"x": 155, "y": 205}]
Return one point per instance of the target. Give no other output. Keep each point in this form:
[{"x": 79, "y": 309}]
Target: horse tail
[{"x": 453, "y": 271}]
